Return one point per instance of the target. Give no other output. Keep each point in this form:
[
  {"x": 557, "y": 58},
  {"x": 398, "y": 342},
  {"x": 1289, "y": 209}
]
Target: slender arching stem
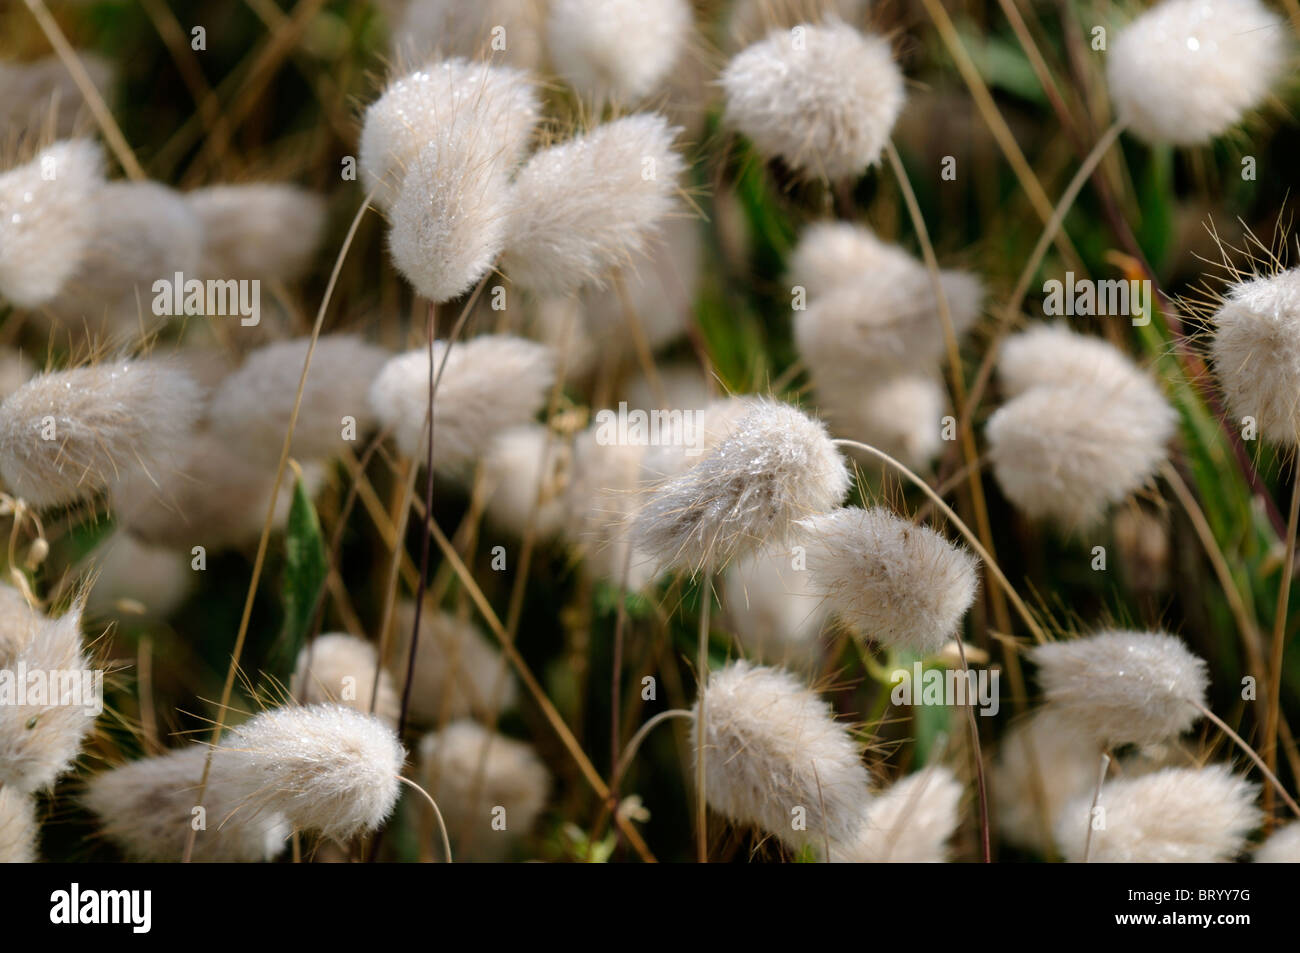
[
  {"x": 981, "y": 785},
  {"x": 1279, "y": 632},
  {"x": 702, "y": 674},
  {"x": 965, "y": 530},
  {"x": 1250, "y": 753},
  {"x": 1102, "y": 767},
  {"x": 642, "y": 733},
  {"x": 442, "y": 827}
]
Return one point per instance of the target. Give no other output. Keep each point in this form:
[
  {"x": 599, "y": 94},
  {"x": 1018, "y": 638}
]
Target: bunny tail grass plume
[
  {"x": 326, "y": 768},
  {"x": 524, "y": 474},
  {"x": 68, "y": 434},
  {"x": 822, "y": 98},
  {"x": 252, "y": 407},
  {"x": 894, "y": 582},
  {"x": 604, "y": 492},
  {"x": 774, "y": 613},
  {"x": 506, "y": 31},
  {"x": 15, "y": 371},
  {"x": 1048, "y": 354},
  {"x": 457, "y": 671},
  {"x": 340, "y": 668},
  {"x": 776, "y": 467},
  {"x": 1256, "y": 353},
  {"x": 580, "y": 208},
  {"x": 1068, "y": 452},
  {"x": 18, "y": 828},
  {"x": 146, "y": 808},
  {"x": 46, "y": 220},
  {"x": 489, "y": 384},
  {"x": 131, "y": 577},
  {"x": 901, "y": 414},
  {"x": 774, "y": 746},
  {"x": 263, "y": 231},
  {"x": 1176, "y": 815},
  {"x": 908, "y": 823},
  {"x": 471, "y": 798},
  {"x": 143, "y": 232},
  {"x": 1044, "y": 762},
  {"x": 1282, "y": 846},
  {"x": 1186, "y": 71},
  {"x": 619, "y": 50},
  {"x": 41, "y": 733},
  {"x": 1124, "y": 687},
  {"x": 490, "y": 111}
]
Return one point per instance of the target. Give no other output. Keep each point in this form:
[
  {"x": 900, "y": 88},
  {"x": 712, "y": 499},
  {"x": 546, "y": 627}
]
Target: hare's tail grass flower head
[
  {"x": 580, "y": 208},
  {"x": 900, "y": 584},
  {"x": 776, "y": 616},
  {"x": 1282, "y": 846},
  {"x": 1256, "y": 353},
  {"x": 489, "y": 384},
  {"x": 327, "y": 768},
  {"x": 1186, "y": 71},
  {"x": 265, "y": 231},
  {"x": 774, "y": 746},
  {"x": 1069, "y": 451},
  {"x": 823, "y": 98},
  {"x": 340, "y": 668},
  {"x": 1124, "y": 687},
  {"x": 47, "y": 219},
  {"x": 68, "y": 434},
  {"x": 252, "y": 407},
  {"x": 525, "y": 474},
  {"x": 458, "y": 672},
  {"x": 18, "y": 827},
  {"x": 898, "y": 413},
  {"x": 489, "y": 110},
  {"x": 512, "y": 777},
  {"x": 777, "y": 466},
  {"x": 470, "y": 30},
  {"x": 146, "y": 808},
  {"x": 910, "y": 822},
  {"x": 616, "y": 50},
  {"x": 1049, "y": 354},
  {"x": 41, "y": 737},
  {"x": 1175, "y": 815}
]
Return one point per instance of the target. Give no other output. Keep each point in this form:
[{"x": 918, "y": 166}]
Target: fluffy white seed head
[
  {"x": 340, "y": 668},
  {"x": 910, "y": 822},
  {"x": 68, "y": 434},
  {"x": 47, "y": 219},
  {"x": 19, "y": 622},
  {"x": 774, "y": 745},
  {"x": 1044, "y": 762},
  {"x": 1176, "y": 815},
  {"x": 901, "y": 414},
  {"x": 252, "y": 407},
  {"x": 490, "y": 110},
  {"x": 326, "y": 768},
  {"x": 39, "y": 94},
  {"x": 134, "y": 578},
  {"x": 489, "y": 384},
  {"x": 146, "y": 808},
  {"x": 524, "y": 476},
  {"x": 1124, "y": 687},
  {"x": 1256, "y": 353},
  {"x": 1068, "y": 452},
  {"x": 583, "y": 207},
  {"x": 1186, "y": 71},
  {"x": 458, "y": 672},
  {"x": 264, "y": 231},
  {"x": 143, "y": 232},
  {"x": 776, "y": 467},
  {"x": 41, "y": 738},
  {"x": 822, "y": 98},
  {"x": 18, "y": 828},
  {"x": 508, "y": 31},
  {"x": 1282, "y": 846},
  {"x": 619, "y": 50},
  {"x": 511, "y": 776},
  {"x": 15, "y": 371},
  {"x": 1048, "y": 354},
  {"x": 773, "y": 611},
  {"x": 891, "y": 580}
]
